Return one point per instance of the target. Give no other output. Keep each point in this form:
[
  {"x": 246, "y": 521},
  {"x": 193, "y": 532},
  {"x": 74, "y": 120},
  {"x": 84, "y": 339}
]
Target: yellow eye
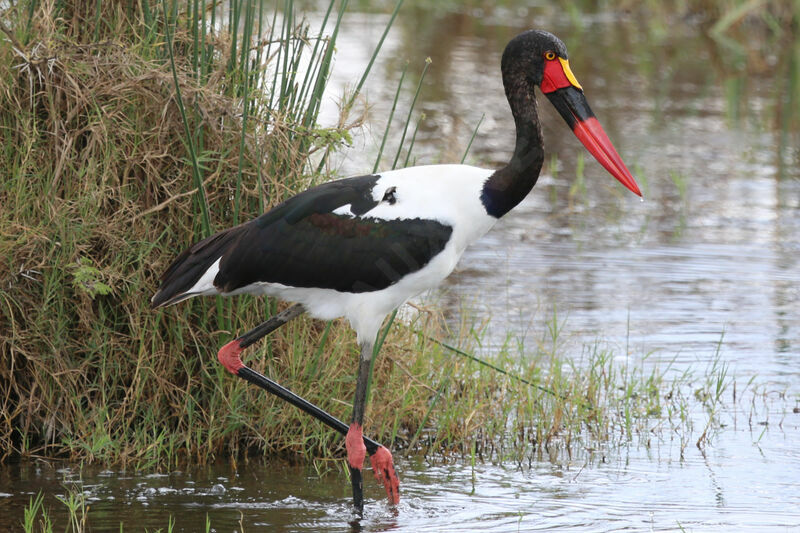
[{"x": 550, "y": 55}]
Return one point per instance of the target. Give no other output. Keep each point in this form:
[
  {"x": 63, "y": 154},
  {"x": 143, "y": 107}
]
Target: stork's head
[{"x": 539, "y": 58}]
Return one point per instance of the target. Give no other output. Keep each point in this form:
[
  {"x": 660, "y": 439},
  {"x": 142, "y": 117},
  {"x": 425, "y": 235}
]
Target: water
[
  {"x": 711, "y": 255},
  {"x": 627, "y": 489}
]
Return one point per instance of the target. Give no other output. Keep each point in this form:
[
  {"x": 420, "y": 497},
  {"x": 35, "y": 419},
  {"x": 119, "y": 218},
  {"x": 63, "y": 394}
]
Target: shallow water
[
  {"x": 737, "y": 485},
  {"x": 705, "y": 267}
]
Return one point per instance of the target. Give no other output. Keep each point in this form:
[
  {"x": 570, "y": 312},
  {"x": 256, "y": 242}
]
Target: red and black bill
[{"x": 566, "y": 94}]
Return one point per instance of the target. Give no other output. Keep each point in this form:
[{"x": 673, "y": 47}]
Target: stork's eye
[
  {"x": 549, "y": 55},
  {"x": 388, "y": 196}
]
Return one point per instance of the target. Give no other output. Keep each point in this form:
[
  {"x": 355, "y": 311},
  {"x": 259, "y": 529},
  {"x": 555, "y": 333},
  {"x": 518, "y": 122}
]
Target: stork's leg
[
  {"x": 265, "y": 328},
  {"x": 381, "y": 459},
  {"x": 256, "y": 378},
  {"x": 229, "y": 356},
  {"x": 355, "y": 448}
]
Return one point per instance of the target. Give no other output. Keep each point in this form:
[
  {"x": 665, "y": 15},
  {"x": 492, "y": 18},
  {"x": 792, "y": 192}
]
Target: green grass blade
[
  {"x": 305, "y": 86},
  {"x": 237, "y": 205},
  {"x": 198, "y": 180},
  {"x": 413, "y": 140},
  {"x": 375, "y": 52},
  {"x": 389, "y": 120},
  {"x": 410, "y": 111},
  {"x": 474, "y": 133},
  {"x": 376, "y": 349},
  {"x": 322, "y": 76},
  {"x": 487, "y": 364}
]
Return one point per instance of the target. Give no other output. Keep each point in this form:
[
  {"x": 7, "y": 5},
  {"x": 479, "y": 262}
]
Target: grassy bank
[{"x": 122, "y": 143}]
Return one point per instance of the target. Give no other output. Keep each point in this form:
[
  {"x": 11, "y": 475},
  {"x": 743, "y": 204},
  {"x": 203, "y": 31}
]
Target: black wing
[{"x": 302, "y": 243}]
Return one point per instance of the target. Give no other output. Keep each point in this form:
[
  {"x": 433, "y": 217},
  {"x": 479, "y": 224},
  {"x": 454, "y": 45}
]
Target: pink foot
[
  {"x": 383, "y": 468},
  {"x": 228, "y": 355},
  {"x": 354, "y": 442}
]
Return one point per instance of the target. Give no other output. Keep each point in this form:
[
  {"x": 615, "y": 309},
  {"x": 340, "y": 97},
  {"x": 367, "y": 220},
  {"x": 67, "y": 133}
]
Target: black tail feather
[{"x": 189, "y": 267}]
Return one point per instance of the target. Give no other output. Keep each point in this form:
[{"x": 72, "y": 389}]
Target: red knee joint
[
  {"x": 354, "y": 442},
  {"x": 383, "y": 468},
  {"x": 228, "y": 355}
]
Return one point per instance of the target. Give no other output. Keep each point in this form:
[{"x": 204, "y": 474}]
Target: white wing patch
[
  {"x": 344, "y": 210},
  {"x": 205, "y": 285},
  {"x": 450, "y": 194}
]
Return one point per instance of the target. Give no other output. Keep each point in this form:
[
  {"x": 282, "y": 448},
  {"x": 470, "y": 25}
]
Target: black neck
[{"x": 511, "y": 184}]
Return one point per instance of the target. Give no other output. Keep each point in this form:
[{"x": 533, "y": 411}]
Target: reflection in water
[{"x": 711, "y": 254}]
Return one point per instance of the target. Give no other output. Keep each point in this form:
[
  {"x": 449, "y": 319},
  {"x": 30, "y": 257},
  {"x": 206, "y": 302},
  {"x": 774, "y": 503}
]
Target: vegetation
[
  {"x": 122, "y": 143},
  {"x": 131, "y": 129}
]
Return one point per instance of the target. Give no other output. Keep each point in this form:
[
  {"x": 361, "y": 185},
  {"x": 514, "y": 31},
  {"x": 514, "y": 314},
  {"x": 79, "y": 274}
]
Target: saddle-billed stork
[{"x": 359, "y": 247}]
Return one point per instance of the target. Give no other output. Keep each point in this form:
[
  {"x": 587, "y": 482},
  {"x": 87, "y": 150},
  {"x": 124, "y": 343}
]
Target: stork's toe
[{"x": 383, "y": 468}]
